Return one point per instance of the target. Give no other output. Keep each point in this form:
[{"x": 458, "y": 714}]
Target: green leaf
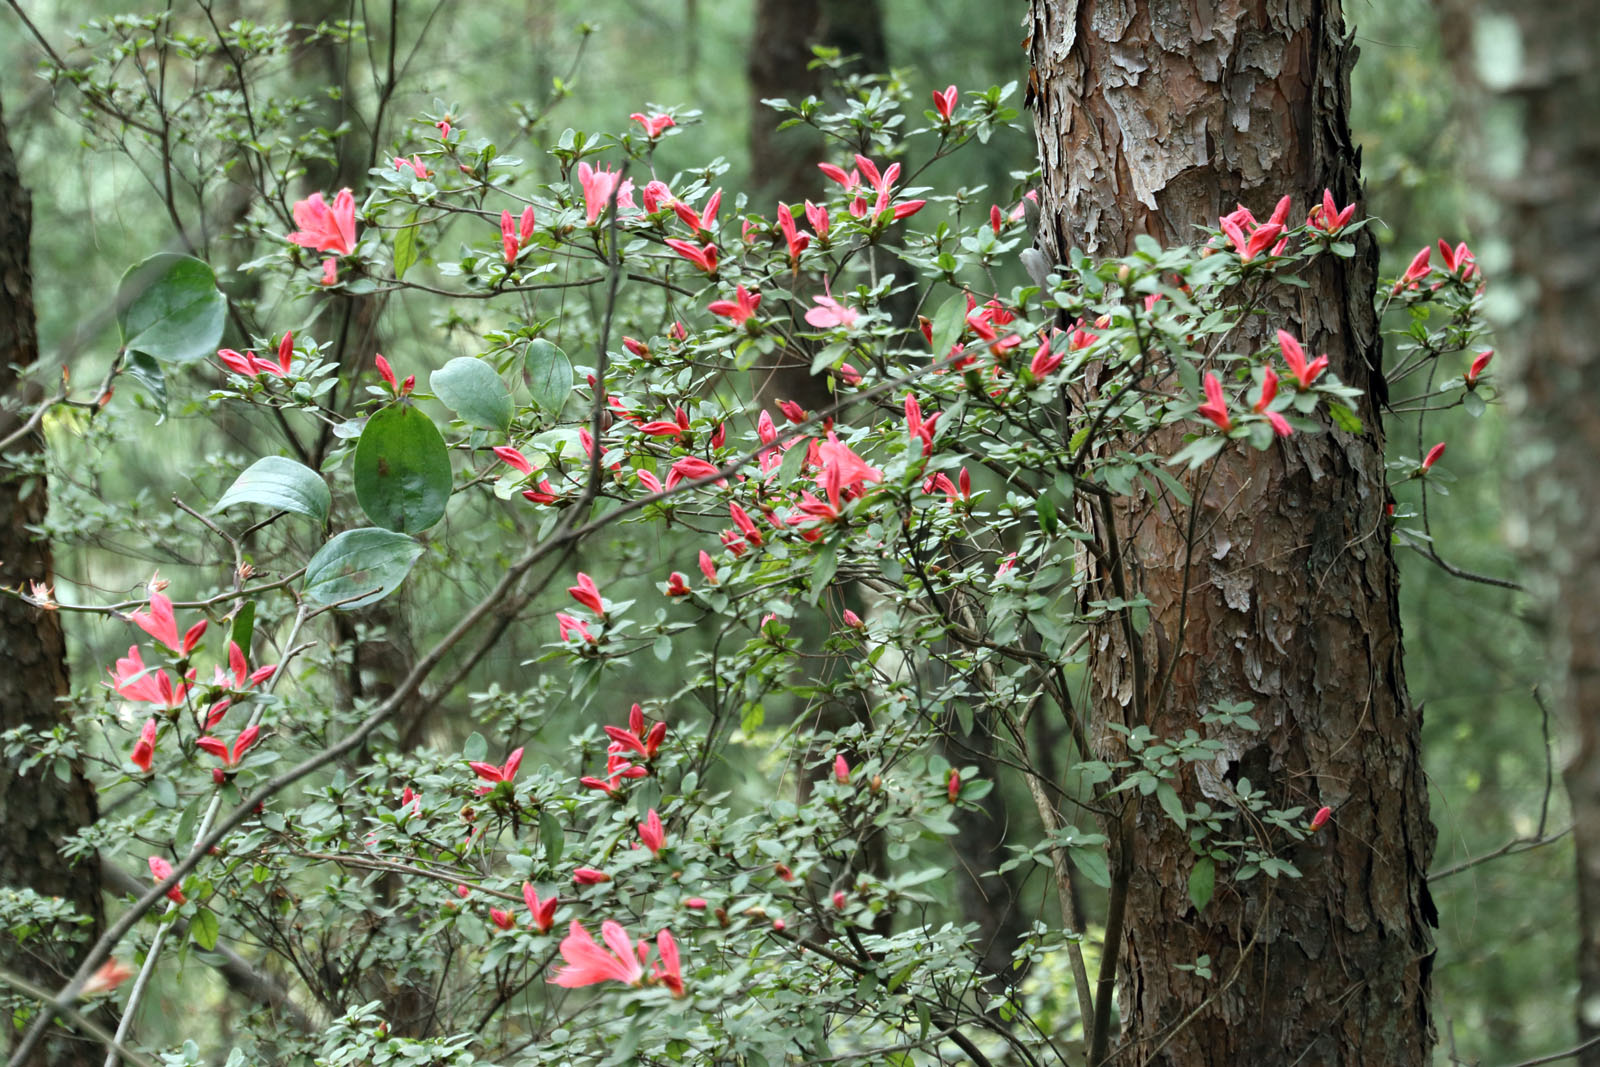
[
  {"x": 168, "y": 307},
  {"x": 147, "y": 372},
  {"x": 1092, "y": 862},
  {"x": 1202, "y": 882},
  {"x": 1344, "y": 418},
  {"x": 549, "y": 373},
  {"x": 402, "y": 470},
  {"x": 822, "y": 571},
  {"x": 794, "y": 461},
  {"x": 405, "y": 248},
  {"x": 281, "y": 484},
  {"x": 552, "y": 837},
  {"x": 204, "y": 928},
  {"x": 472, "y": 389},
  {"x": 1171, "y": 804},
  {"x": 244, "y": 626},
  {"x": 368, "y": 560},
  {"x": 1473, "y": 403},
  {"x": 947, "y": 324}
]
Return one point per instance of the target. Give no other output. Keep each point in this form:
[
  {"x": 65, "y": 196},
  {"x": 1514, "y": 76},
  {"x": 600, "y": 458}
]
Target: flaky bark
[
  {"x": 40, "y": 809},
  {"x": 1545, "y": 85},
  {"x": 1153, "y": 117}
]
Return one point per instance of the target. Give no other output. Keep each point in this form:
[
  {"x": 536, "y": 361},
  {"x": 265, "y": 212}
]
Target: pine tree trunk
[
  {"x": 1546, "y": 86},
  {"x": 1151, "y": 118},
  {"x": 38, "y": 810}
]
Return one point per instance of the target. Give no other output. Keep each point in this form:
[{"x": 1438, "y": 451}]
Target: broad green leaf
[
  {"x": 1202, "y": 882},
  {"x": 368, "y": 560},
  {"x": 1092, "y": 862},
  {"x": 549, "y": 374},
  {"x": 168, "y": 307},
  {"x": 204, "y": 928},
  {"x": 472, "y": 389},
  {"x": 552, "y": 837},
  {"x": 947, "y": 324},
  {"x": 281, "y": 484},
  {"x": 405, "y": 247},
  {"x": 244, "y": 626},
  {"x": 402, "y": 470}
]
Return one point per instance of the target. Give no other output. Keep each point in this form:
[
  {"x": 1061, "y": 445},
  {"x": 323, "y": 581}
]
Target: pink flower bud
[{"x": 1320, "y": 818}]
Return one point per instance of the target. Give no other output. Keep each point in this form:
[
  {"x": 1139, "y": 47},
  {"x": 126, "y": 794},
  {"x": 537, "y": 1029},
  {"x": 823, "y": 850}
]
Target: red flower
[
  {"x": 1433, "y": 456},
  {"x": 1295, "y": 356},
  {"x": 586, "y": 593},
  {"x": 1327, "y": 216},
  {"x": 160, "y": 623},
  {"x": 691, "y": 468},
  {"x": 634, "y": 738},
  {"x": 945, "y": 103},
  {"x": 797, "y": 240},
  {"x": 589, "y": 964},
  {"x": 144, "y": 749},
  {"x": 598, "y": 184},
  {"x": 589, "y": 876},
  {"x": 230, "y": 755},
  {"x": 651, "y": 833},
  {"x": 841, "y": 769},
  {"x": 738, "y": 310},
  {"x": 708, "y": 567},
  {"x": 667, "y": 969},
  {"x": 543, "y": 911},
  {"x": 1269, "y": 391},
  {"x": 324, "y": 228},
  {"x": 677, "y": 585},
  {"x": 569, "y": 626},
  {"x": 704, "y": 258},
  {"x": 495, "y": 775},
  {"x": 952, "y": 785},
  {"x": 842, "y": 469},
  {"x": 109, "y": 975},
  {"x": 653, "y": 124},
  {"x": 1418, "y": 270},
  {"x": 1320, "y": 819},
  {"x": 818, "y": 217},
  {"x": 162, "y": 871},
  {"x": 704, "y": 221},
  {"x": 502, "y": 919},
  {"x": 1478, "y": 365},
  {"x": 1216, "y": 407},
  {"x": 132, "y": 680}
]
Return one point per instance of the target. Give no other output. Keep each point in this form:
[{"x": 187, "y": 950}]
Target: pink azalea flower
[
  {"x": 324, "y": 228},
  {"x": 842, "y": 469},
  {"x": 653, "y": 124},
  {"x": 588, "y": 594},
  {"x": 589, "y": 964},
  {"x": 493, "y": 774},
  {"x": 1295, "y": 356},
  {"x": 144, "y": 749},
  {"x": 738, "y": 310},
  {"x": 230, "y": 755},
  {"x": 162, "y": 870},
  {"x": 1216, "y": 406},
  {"x": 598, "y": 186},
  {"x": 945, "y": 103},
  {"x": 651, "y": 833},
  {"x": 160, "y": 623},
  {"x": 542, "y": 911}
]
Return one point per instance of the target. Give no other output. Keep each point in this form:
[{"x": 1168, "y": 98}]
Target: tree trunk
[
  {"x": 1152, "y": 117},
  {"x": 40, "y": 809},
  {"x": 1537, "y": 58}
]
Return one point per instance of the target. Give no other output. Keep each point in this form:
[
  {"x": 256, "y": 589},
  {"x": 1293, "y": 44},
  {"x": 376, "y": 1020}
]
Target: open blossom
[
  {"x": 1458, "y": 260},
  {"x": 1269, "y": 392},
  {"x": 325, "y": 228},
  {"x": 107, "y": 977},
  {"x": 634, "y": 738},
  {"x": 144, "y": 749},
  {"x": 494, "y": 775},
  {"x": 599, "y": 183},
  {"x": 738, "y": 310},
  {"x": 1295, "y": 356},
  {"x": 653, "y": 124},
  {"x": 162, "y": 870},
  {"x": 817, "y": 215},
  {"x": 416, "y": 165},
  {"x": 842, "y": 469},
  {"x": 662, "y": 428},
  {"x": 1044, "y": 361},
  {"x": 703, "y": 257},
  {"x": 829, "y": 313},
  {"x": 691, "y": 468},
  {"x": 797, "y": 240},
  {"x": 589, "y": 964},
  {"x": 543, "y": 912},
  {"x": 704, "y": 221},
  {"x": 1250, "y": 238},
  {"x": 1327, "y": 216},
  {"x": 1216, "y": 406},
  {"x": 132, "y": 680},
  {"x": 160, "y": 623},
  {"x": 945, "y": 103},
  {"x": 571, "y": 626},
  {"x": 677, "y": 585},
  {"x": 918, "y": 428},
  {"x": 230, "y": 755}
]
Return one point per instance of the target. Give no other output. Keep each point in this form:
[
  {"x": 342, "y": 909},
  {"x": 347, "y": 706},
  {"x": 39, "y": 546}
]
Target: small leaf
[
  {"x": 552, "y": 837},
  {"x": 1202, "y": 882},
  {"x": 147, "y": 372},
  {"x": 947, "y": 324},
  {"x": 472, "y": 389},
  {"x": 368, "y": 560},
  {"x": 1344, "y": 418},
  {"x": 405, "y": 248},
  {"x": 1171, "y": 804},
  {"x": 402, "y": 470},
  {"x": 168, "y": 307},
  {"x": 244, "y": 627},
  {"x": 549, "y": 373},
  {"x": 281, "y": 484},
  {"x": 1092, "y": 862},
  {"x": 1473, "y": 403}
]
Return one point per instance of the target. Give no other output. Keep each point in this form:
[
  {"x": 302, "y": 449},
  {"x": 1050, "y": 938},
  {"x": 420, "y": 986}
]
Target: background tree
[{"x": 1298, "y": 615}]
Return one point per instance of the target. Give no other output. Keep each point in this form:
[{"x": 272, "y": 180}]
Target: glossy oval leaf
[
  {"x": 281, "y": 484},
  {"x": 472, "y": 389},
  {"x": 402, "y": 470},
  {"x": 169, "y": 307},
  {"x": 549, "y": 374},
  {"x": 368, "y": 564}
]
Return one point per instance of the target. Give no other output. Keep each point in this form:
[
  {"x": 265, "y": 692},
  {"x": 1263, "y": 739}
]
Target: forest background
[{"x": 1505, "y": 981}]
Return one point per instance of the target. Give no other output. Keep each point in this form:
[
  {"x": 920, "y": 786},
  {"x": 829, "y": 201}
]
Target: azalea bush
[{"x": 749, "y": 649}]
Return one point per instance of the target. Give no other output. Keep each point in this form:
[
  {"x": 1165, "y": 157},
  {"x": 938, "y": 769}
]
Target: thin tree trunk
[
  {"x": 1152, "y": 117},
  {"x": 1537, "y": 57},
  {"x": 54, "y": 800}
]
